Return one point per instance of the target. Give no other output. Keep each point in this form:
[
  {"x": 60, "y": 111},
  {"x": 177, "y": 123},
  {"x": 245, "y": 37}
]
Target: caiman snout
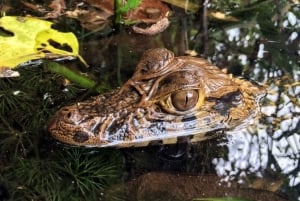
[{"x": 72, "y": 126}]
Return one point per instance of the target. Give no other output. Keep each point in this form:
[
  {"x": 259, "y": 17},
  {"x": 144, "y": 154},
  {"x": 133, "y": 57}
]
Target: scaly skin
[{"x": 166, "y": 98}]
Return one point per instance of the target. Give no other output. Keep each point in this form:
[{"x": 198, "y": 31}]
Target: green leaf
[{"x": 24, "y": 39}]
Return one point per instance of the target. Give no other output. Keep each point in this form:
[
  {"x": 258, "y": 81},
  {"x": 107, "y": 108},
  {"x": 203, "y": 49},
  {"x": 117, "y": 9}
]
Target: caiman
[{"x": 167, "y": 98}]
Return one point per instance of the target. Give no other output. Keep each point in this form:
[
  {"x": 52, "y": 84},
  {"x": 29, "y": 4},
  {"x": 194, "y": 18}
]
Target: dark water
[{"x": 260, "y": 41}]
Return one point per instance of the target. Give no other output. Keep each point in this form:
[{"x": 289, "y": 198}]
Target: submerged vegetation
[
  {"x": 257, "y": 40},
  {"x": 32, "y": 165},
  {"x": 73, "y": 174}
]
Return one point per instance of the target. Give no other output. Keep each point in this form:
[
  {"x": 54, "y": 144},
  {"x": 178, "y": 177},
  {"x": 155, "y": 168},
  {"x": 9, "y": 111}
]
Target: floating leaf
[{"x": 24, "y": 39}]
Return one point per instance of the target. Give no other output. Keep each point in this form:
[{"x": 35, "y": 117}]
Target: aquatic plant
[
  {"x": 33, "y": 166},
  {"x": 70, "y": 174}
]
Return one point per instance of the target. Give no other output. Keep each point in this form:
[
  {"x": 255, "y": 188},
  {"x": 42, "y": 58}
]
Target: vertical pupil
[
  {"x": 188, "y": 97},
  {"x": 184, "y": 100}
]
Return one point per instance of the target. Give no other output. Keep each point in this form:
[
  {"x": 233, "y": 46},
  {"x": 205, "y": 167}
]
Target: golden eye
[{"x": 185, "y": 99}]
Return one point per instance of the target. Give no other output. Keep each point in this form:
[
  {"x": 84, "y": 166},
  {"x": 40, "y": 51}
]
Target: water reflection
[{"x": 274, "y": 141}]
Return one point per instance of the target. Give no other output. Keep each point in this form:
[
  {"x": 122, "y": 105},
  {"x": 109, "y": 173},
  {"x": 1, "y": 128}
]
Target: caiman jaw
[{"x": 167, "y": 97}]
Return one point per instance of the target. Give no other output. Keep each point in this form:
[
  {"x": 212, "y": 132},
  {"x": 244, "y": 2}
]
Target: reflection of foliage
[
  {"x": 263, "y": 45},
  {"x": 260, "y": 25},
  {"x": 283, "y": 125}
]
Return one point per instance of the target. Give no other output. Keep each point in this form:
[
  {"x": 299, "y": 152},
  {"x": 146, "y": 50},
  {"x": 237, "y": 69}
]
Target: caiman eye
[{"x": 185, "y": 99}]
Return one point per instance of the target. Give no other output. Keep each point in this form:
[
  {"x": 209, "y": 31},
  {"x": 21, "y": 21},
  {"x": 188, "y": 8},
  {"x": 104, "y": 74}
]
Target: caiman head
[{"x": 167, "y": 97}]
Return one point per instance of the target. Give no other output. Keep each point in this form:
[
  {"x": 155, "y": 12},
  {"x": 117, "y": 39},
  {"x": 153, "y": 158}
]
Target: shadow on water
[{"x": 257, "y": 39}]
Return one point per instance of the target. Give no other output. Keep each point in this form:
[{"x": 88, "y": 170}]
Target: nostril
[
  {"x": 80, "y": 137},
  {"x": 69, "y": 114}
]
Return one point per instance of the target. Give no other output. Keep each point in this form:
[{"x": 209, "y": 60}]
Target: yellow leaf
[{"x": 23, "y": 39}]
